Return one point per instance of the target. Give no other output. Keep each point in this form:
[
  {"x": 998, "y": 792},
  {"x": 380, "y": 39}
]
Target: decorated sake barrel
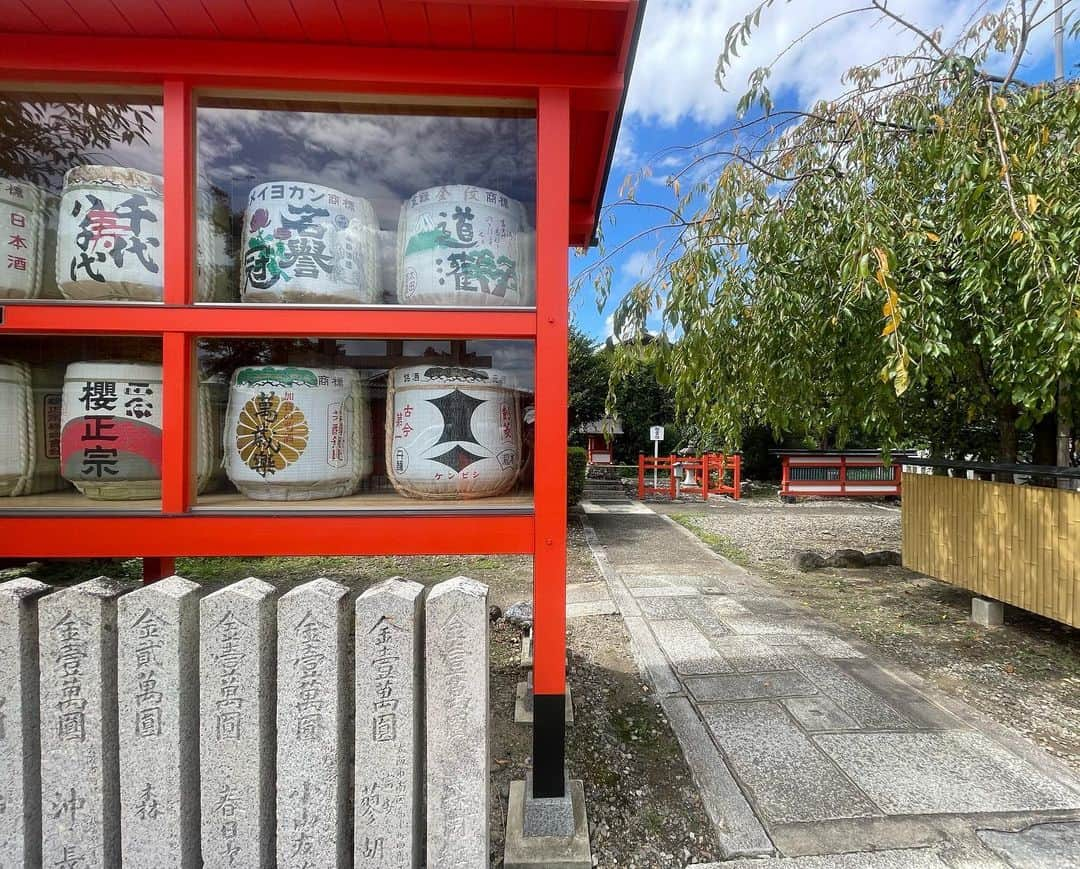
[
  {"x": 308, "y": 243},
  {"x": 297, "y": 434},
  {"x": 29, "y": 429},
  {"x": 464, "y": 246},
  {"x": 452, "y": 432},
  {"x": 109, "y": 242},
  {"x": 22, "y": 239},
  {"x": 110, "y": 445}
]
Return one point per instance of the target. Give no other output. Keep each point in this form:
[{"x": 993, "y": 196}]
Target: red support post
[
  {"x": 154, "y": 569},
  {"x": 671, "y": 476},
  {"x": 843, "y": 475},
  {"x": 641, "y": 476},
  {"x": 785, "y": 475},
  {"x": 736, "y": 476},
  {"x": 705, "y": 477},
  {"x": 552, "y": 328}
]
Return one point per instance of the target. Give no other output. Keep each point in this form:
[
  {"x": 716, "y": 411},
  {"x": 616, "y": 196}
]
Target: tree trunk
[
  {"x": 1063, "y": 453},
  {"x": 1044, "y": 451},
  {"x": 1008, "y": 441}
]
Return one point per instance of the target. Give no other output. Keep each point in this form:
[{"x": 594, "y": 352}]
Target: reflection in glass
[
  {"x": 372, "y": 423},
  {"x": 372, "y": 204},
  {"x": 80, "y": 197}
]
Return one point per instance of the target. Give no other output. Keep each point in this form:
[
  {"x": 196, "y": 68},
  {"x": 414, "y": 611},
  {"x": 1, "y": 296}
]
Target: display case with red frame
[{"x": 564, "y": 63}]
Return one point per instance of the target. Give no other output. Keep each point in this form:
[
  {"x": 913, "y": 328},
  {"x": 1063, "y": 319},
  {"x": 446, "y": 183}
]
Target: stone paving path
[{"x": 801, "y": 743}]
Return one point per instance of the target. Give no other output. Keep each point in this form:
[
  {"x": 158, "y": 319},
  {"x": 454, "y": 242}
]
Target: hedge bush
[{"x": 576, "y": 463}]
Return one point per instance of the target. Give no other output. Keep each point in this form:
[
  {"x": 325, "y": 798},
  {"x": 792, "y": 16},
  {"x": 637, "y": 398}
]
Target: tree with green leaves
[{"x": 900, "y": 261}]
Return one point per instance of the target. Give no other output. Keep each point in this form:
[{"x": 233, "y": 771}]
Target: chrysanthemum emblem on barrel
[{"x": 297, "y": 434}]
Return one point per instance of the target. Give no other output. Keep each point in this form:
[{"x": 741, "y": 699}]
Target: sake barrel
[
  {"x": 464, "y": 246},
  {"x": 110, "y": 445},
  {"x": 109, "y": 244},
  {"x": 29, "y": 429},
  {"x": 297, "y": 434},
  {"x": 308, "y": 243},
  {"x": 452, "y": 432},
  {"x": 22, "y": 239},
  {"x": 215, "y": 274}
]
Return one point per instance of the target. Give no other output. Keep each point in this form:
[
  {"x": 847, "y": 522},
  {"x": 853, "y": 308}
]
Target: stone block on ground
[
  {"x": 237, "y": 670},
  {"x": 458, "y": 780},
  {"x": 883, "y": 558},
  {"x": 591, "y": 608},
  {"x": 988, "y": 613},
  {"x": 547, "y": 834},
  {"x": 388, "y": 804},
  {"x": 688, "y": 648},
  {"x": 158, "y": 655},
  {"x": 314, "y": 711},
  {"x": 80, "y": 761},
  {"x": 526, "y": 652},
  {"x": 20, "y": 734},
  {"x": 749, "y": 686}
]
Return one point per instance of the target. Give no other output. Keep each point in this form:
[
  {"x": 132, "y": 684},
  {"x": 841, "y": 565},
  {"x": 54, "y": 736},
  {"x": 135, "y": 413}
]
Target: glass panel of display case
[
  {"x": 80, "y": 423},
  {"x": 365, "y": 204},
  {"x": 343, "y": 424},
  {"x": 81, "y": 197}
]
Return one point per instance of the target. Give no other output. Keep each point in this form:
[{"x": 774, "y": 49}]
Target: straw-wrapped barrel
[
  {"x": 110, "y": 235},
  {"x": 464, "y": 246},
  {"x": 308, "y": 243},
  {"x": 29, "y": 429},
  {"x": 297, "y": 434},
  {"x": 22, "y": 239},
  {"x": 452, "y": 432}
]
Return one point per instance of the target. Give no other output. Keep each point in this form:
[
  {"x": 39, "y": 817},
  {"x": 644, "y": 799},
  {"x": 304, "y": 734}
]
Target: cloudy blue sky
[{"x": 673, "y": 99}]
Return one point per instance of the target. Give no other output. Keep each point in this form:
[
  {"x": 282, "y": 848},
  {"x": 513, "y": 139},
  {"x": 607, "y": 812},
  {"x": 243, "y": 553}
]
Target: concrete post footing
[
  {"x": 988, "y": 613},
  {"x": 547, "y": 832},
  {"x": 523, "y": 703}
]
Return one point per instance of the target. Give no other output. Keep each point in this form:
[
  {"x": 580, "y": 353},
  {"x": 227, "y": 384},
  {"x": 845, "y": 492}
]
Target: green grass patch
[{"x": 717, "y": 542}]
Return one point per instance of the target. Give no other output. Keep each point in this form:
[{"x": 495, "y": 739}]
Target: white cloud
[
  {"x": 638, "y": 266},
  {"x": 681, "y": 41}
]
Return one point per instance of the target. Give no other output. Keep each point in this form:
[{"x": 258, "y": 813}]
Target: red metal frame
[
  {"x": 705, "y": 466},
  {"x": 842, "y": 486}
]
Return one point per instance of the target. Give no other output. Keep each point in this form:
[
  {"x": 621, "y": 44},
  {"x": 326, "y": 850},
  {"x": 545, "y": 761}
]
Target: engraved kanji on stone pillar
[{"x": 456, "y": 649}]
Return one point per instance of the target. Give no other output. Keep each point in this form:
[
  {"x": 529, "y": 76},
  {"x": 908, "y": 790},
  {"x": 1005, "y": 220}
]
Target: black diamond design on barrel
[
  {"x": 457, "y": 409},
  {"x": 457, "y": 457}
]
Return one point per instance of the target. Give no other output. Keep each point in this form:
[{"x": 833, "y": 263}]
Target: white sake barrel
[
  {"x": 452, "y": 432},
  {"x": 29, "y": 429},
  {"x": 22, "y": 239},
  {"x": 297, "y": 434},
  {"x": 110, "y": 447},
  {"x": 308, "y": 243},
  {"x": 464, "y": 246},
  {"x": 110, "y": 237},
  {"x": 111, "y": 440}
]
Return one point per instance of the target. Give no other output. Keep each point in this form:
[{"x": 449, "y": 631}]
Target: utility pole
[{"x": 1064, "y": 405}]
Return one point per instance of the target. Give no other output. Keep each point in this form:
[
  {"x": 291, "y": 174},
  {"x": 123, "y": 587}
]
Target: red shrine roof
[{"x": 593, "y": 39}]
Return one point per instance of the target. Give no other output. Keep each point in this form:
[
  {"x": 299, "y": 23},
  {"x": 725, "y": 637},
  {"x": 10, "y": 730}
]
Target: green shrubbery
[{"x": 576, "y": 461}]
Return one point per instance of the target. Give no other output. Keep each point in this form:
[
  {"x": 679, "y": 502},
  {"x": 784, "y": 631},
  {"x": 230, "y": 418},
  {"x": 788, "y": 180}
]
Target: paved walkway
[{"x": 801, "y": 743}]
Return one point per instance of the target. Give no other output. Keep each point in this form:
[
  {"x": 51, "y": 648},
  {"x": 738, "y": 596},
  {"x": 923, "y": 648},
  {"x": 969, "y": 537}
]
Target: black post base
[{"x": 549, "y": 745}]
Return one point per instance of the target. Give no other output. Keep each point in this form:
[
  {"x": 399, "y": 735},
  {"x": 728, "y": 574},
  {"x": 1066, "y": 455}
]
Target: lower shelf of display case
[{"x": 232, "y": 502}]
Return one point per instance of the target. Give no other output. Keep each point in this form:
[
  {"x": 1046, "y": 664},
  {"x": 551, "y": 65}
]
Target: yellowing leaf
[
  {"x": 883, "y": 260},
  {"x": 933, "y": 236},
  {"x": 1032, "y": 203},
  {"x": 890, "y": 327},
  {"x": 1044, "y": 135},
  {"x": 1017, "y": 235},
  {"x": 1000, "y": 103},
  {"x": 939, "y": 121}
]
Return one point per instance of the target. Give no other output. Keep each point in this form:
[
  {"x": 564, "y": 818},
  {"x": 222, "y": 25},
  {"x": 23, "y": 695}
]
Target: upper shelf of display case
[{"x": 485, "y": 48}]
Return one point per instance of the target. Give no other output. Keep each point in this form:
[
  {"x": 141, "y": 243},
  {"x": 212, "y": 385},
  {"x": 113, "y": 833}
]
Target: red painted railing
[
  {"x": 837, "y": 475},
  {"x": 711, "y": 474}
]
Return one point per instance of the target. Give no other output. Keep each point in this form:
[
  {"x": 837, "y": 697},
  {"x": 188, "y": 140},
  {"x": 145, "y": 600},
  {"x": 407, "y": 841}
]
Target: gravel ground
[
  {"x": 644, "y": 810},
  {"x": 1025, "y": 675}
]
